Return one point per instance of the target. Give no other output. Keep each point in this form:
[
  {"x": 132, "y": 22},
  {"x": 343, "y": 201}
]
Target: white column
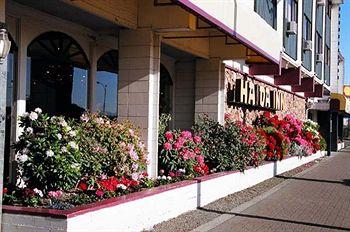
[
  {"x": 138, "y": 90},
  {"x": 209, "y": 88}
]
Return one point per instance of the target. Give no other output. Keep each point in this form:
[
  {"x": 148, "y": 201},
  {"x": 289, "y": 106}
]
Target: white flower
[
  {"x": 63, "y": 123},
  {"x": 20, "y": 183},
  {"x": 159, "y": 177},
  {"x": 73, "y": 145},
  {"x": 33, "y": 116},
  {"x": 121, "y": 186},
  {"x": 64, "y": 149},
  {"x": 38, "y": 110},
  {"x": 49, "y": 153},
  {"x": 169, "y": 177},
  {"x": 72, "y": 133},
  {"x": 67, "y": 128},
  {"x": 25, "y": 151},
  {"x": 26, "y": 114},
  {"x": 39, "y": 192},
  {"x": 135, "y": 176},
  {"x": 22, "y": 158},
  {"x": 59, "y": 136},
  {"x": 163, "y": 177},
  {"x": 29, "y": 130}
]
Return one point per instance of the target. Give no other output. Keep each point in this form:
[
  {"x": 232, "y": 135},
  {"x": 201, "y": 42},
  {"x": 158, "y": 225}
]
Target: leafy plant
[{"x": 48, "y": 154}]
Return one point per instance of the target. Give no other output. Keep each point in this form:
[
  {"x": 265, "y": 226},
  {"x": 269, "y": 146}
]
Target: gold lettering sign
[{"x": 257, "y": 95}]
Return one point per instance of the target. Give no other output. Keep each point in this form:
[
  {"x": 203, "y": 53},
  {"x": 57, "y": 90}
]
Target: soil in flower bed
[{"x": 193, "y": 219}]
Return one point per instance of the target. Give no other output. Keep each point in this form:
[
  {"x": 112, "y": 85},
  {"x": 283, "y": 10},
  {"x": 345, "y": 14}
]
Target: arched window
[
  {"x": 57, "y": 72},
  {"x": 166, "y": 91},
  {"x": 107, "y": 83}
]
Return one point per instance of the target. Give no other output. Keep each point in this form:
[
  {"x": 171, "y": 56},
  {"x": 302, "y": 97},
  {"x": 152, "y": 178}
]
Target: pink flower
[
  {"x": 197, "y": 150},
  {"x": 55, "y": 194},
  {"x": 131, "y": 132},
  {"x": 177, "y": 146},
  {"x": 171, "y": 174},
  {"x": 167, "y": 146},
  {"x": 197, "y": 139},
  {"x": 200, "y": 159},
  {"x": 133, "y": 153},
  {"x": 99, "y": 193},
  {"x": 169, "y": 135},
  {"x": 186, "y": 134}
]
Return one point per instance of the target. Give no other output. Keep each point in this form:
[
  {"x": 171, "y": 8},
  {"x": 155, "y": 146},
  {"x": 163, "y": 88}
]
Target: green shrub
[{"x": 48, "y": 154}]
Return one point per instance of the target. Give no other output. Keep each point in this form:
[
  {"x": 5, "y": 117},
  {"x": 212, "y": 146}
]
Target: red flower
[
  {"x": 4, "y": 190},
  {"x": 99, "y": 193},
  {"x": 83, "y": 186}
]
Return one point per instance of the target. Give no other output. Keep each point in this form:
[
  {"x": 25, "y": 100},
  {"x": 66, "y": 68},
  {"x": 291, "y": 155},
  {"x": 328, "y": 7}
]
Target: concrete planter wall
[{"x": 142, "y": 210}]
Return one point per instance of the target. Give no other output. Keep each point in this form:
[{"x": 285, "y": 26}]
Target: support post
[{"x": 3, "y": 86}]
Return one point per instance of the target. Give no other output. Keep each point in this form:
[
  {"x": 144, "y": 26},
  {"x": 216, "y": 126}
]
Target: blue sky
[{"x": 345, "y": 37}]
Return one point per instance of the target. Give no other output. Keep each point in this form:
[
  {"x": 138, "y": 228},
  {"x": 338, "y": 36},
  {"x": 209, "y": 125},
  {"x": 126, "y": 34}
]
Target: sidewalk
[{"x": 318, "y": 200}]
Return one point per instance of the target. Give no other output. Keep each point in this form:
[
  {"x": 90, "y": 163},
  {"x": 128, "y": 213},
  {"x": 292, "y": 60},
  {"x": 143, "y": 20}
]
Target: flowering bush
[
  {"x": 181, "y": 155},
  {"x": 312, "y": 135},
  {"x": 48, "y": 154},
  {"x": 276, "y": 143},
  {"x": 110, "y": 148},
  {"x": 230, "y": 147},
  {"x": 251, "y": 147},
  {"x": 63, "y": 163}
]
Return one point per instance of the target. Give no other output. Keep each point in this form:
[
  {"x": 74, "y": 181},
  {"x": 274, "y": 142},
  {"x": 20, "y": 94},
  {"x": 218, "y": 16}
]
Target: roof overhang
[{"x": 256, "y": 51}]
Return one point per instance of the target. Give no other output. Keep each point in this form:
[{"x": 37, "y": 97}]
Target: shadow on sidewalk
[
  {"x": 344, "y": 182},
  {"x": 277, "y": 219}
]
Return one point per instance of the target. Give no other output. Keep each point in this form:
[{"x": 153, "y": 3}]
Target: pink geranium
[
  {"x": 197, "y": 139},
  {"x": 167, "y": 146},
  {"x": 169, "y": 135}
]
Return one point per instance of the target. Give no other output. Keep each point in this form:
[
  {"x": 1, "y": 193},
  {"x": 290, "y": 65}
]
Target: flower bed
[
  {"x": 76, "y": 166},
  {"x": 142, "y": 210}
]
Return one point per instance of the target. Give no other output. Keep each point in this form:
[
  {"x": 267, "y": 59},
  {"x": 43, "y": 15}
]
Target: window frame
[{"x": 273, "y": 24}]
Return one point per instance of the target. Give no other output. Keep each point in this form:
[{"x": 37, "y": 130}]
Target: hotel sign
[{"x": 248, "y": 93}]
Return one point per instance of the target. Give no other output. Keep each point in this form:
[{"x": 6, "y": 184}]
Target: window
[
  {"x": 107, "y": 84},
  {"x": 307, "y": 28},
  {"x": 327, "y": 56},
  {"x": 291, "y": 10},
  {"x": 165, "y": 91},
  {"x": 57, "y": 75},
  {"x": 318, "y": 44},
  {"x": 267, "y": 9}
]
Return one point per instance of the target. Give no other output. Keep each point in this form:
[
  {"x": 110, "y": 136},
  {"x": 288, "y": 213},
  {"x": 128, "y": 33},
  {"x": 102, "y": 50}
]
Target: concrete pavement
[{"x": 316, "y": 200}]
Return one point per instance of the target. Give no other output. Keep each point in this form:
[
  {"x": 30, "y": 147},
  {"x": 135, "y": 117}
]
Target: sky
[{"x": 345, "y": 37}]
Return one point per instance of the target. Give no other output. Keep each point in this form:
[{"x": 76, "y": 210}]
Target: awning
[
  {"x": 339, "y": 102},
  {"x": 193, "y": 7}
]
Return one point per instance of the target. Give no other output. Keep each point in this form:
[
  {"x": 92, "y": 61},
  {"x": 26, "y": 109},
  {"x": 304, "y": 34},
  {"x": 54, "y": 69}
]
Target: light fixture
[{"x": 5, "y": 43}]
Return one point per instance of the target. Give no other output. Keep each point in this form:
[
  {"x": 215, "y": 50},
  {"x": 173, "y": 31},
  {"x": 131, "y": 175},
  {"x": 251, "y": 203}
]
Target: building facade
[{"x": 138, "y": 59}]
